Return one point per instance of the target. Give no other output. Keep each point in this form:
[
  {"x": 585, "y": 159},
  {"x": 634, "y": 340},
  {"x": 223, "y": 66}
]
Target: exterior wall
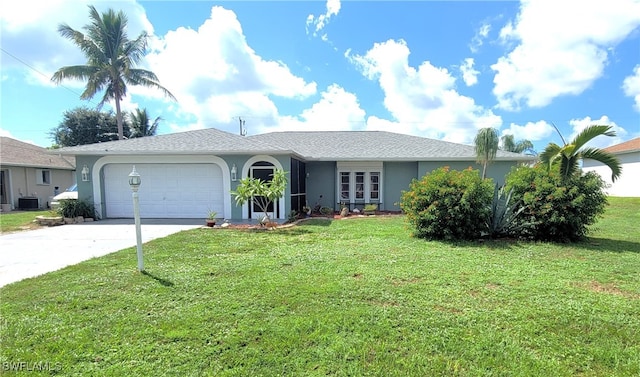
[
  {"x": 93, "y": 192},
  {"x": 397, "y": 176},
  {"x": 22, "y": 182},
  {"x": 322, "y": 182},
  {"x": 497, "y": 170},
  {"x": 626, "y": 185}
]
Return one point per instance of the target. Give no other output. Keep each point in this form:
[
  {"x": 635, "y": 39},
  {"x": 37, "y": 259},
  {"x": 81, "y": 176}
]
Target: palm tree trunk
[
  {"x": 119, "y": 120},
  {"x": 484, "y": 170}
]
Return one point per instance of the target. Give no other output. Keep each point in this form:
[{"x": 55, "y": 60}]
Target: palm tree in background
[
  {"x": 521, "y": 146},
  {"x": 140, "y": 125},
  {"x": 569, "y": 155},
  {"x": 486, "y": 144},
  {"x": 111, "y": 60}
]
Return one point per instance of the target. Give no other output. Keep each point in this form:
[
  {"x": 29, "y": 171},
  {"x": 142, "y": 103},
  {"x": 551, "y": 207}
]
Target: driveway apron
[{"x": 32, "y": 253}]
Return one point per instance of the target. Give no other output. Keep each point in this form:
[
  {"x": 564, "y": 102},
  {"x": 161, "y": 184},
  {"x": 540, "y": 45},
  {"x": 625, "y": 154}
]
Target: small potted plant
[
  {"x": 370, "y": 209},
  {"x": 211, "y": 218}
]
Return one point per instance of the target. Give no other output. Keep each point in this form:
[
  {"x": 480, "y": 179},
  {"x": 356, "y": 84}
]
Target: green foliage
[
  {"x": 111, "y": 60},
  {"x": 261, "y": 192},
  {"x": 140, "y": 124},
  {"x": 293, "y": 216},
  {"x": 486, "y": 145},
  {"x": 504, "y": 213},
  {"x": 567, "y": 157},
  {"x": 75, "y": 208},
  {"x": 556, "y": 208},
  {"x": 447, "y": 204},
  {"x": 82, "y": 126}
]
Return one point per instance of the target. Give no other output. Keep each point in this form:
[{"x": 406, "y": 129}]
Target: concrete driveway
[{"x": 35, "y": 252}]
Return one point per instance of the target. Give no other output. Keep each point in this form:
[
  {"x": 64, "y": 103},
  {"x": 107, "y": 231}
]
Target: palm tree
[
  {"x": 522, "y": 146},
  {"x": 569, "y": 155},
  {"x": 486, "y": 144},
  {"x": 140, "y": 124},
  {"x": 111, "y": 60}
]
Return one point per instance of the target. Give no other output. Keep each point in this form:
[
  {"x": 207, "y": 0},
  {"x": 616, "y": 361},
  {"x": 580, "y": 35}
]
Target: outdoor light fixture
[
  {"x": 234, "y": 173},
  {"x": 85, "y": 174},
  {"x": 134, "y": 182}
]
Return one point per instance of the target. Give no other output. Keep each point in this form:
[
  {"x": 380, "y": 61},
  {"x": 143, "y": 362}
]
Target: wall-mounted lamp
[
  {"x": 234, "y": 173},
  {"x": 85, "y": 174}
]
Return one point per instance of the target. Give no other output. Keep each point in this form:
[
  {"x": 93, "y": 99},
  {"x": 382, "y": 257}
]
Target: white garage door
[{"x": 167, "y": 190}]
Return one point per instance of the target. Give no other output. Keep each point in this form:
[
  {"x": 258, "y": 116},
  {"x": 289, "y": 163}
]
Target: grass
[
  {"x": 343, "y": 298},
  {"x": 20, "y": 220}
]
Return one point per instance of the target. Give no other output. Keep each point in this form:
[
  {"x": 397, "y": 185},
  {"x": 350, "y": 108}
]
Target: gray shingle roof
[
  {"x": 209, "y": 141},
  {"x": 18, "y": 153},
  {"x": 372, "y": 145},
  {"x": 312, "y": 145}
]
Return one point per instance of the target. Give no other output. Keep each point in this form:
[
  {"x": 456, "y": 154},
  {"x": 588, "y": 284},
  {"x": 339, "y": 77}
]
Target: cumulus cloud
[
  {"x": 317, "y": 23},
  {"x": 337, "y": 110},
  {"x": 532, "y": 131},
  {"x": 469, "y": 74},
  {"x": 422, "y": 100},
  {"x": 561, "y": 48},
  {"x": 225, "y": 80},
  {"x": 28, "y": 31},
  {"x": 631, "y": 86},
  {"x": 577, "y": 125}
]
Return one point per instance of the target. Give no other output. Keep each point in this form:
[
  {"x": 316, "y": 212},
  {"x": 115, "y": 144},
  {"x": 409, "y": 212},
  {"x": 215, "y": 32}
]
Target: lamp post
[{"x": 134, "y": 182}]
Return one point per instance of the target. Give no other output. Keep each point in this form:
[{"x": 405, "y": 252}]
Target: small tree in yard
[{"x": 262, "y": 192}]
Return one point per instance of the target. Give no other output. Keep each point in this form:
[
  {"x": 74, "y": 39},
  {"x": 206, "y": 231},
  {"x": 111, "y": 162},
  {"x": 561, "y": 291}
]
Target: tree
[
  {"x": 111, "y": 60},
  {"x": 85, "y": 126},
  {"x": 263, "y": 193},
  {"x": 486, "y": 144},
  {"x": 139, "y": 124},
  {"x": 568, "y": 156},
  {"x": 522, "y": 146}
]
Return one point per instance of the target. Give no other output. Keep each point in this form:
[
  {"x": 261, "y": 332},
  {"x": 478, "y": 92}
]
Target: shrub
[
  {"x": 447, "y": 204},
  {"x": 502, "y": 221},
  {"x": 75, "y": 208},
  {"x": 555, "y": 209}
]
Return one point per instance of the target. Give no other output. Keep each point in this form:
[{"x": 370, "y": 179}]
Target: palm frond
[
  {"x": 550, "y": 154},
  {"x": 589, "y": 133},
  {"x": 605, "y": 158}
]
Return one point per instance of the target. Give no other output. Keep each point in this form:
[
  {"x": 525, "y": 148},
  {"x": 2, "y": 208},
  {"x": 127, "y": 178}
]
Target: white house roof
[{"x": 312, "y": 145}]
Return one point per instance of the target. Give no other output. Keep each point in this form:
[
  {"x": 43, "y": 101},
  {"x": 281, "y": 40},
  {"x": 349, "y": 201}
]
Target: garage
[{"x": 167, "y": 190}]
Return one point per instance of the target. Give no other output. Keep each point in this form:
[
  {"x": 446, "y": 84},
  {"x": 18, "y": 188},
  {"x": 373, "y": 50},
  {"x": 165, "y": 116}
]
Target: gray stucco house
[{"x": 184, "y": 175}]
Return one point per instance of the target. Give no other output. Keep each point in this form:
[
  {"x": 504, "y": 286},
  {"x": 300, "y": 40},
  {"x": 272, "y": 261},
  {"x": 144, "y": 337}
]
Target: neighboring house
[
  {"x": 184, "y": 175},
  {"x": 629, "y": 155},
  {"x": 30, "y": 175}
]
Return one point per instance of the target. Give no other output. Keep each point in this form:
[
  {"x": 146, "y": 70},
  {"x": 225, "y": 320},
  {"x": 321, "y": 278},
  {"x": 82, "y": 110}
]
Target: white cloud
[
  {"x": 423, "y": 100},
  {"x": 318, "y": 23},
  {"x": 29, "y": 32},
  {"x": 478, "y": 39},
  {"x": 561, "y": 48},
  {"x": 532, "y": 131},
  {"x": 469, "y": 74},
  {"x": 631, "y": 86},
  {"x": 226, "y": 79},
  {"x": 578, "y": 125},
  {"x": 337, "y": 110}
]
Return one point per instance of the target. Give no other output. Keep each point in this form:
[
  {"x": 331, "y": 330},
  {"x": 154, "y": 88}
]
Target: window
[
  {"x": 43, "y": 177},
  {"x": 359, "y": 183},
  {"x": 374, "y": 186},
  {"x": 360, "y": 186},
  {"x": 345, "y": 189}
]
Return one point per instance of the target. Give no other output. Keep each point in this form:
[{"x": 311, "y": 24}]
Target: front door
[{"x": 257, "y": 210}]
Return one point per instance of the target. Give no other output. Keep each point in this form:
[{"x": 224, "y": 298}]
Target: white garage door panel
[{"x": 167, "y": 190}]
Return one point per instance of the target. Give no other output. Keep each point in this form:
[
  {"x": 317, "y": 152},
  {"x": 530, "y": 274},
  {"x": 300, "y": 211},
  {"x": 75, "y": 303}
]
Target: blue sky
[{"x": 434, "y": 69}]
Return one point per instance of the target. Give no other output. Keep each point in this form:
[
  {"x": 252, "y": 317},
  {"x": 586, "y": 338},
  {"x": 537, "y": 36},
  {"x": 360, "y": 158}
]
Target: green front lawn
[
  {"x": 343, "y": 298},
  {"x": 20, "y": 220}
]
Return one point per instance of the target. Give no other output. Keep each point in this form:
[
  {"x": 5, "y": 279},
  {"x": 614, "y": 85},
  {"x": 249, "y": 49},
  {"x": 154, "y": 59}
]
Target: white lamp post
[{"x": 134, "y": 182}]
